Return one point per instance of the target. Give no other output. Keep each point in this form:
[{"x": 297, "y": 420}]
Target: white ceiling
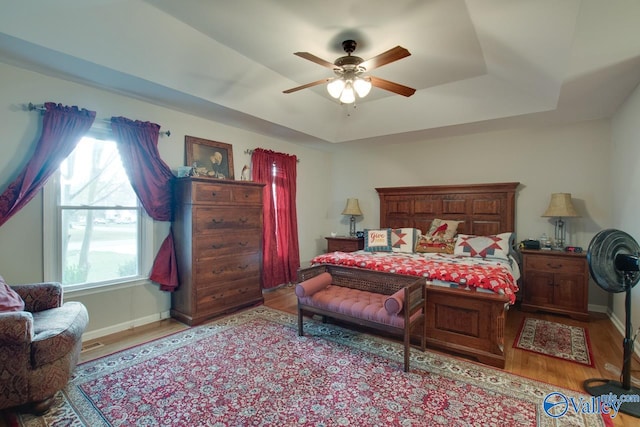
[{"x": 475, "y": 64}]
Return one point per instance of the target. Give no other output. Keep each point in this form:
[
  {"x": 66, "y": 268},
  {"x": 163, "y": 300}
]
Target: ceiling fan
[{"x": 350, "y": 69}]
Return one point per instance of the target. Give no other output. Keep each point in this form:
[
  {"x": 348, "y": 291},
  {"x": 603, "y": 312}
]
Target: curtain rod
[
  {"x": 40, "y": 107},
  {"x": 250, "y": 152}
]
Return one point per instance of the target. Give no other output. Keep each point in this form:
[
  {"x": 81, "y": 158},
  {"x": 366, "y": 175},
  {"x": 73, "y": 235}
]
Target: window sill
[{"x": 91, "y": 289}]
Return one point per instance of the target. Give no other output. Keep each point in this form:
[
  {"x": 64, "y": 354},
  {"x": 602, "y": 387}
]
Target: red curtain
[
  {"x": 62, "y": 129},
  {"x": 281, "y": 252},
  {"x": 152, "y": 180}
]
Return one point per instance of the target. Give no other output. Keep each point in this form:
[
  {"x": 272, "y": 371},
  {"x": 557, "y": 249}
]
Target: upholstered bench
[{"x": 375, "y": 300}]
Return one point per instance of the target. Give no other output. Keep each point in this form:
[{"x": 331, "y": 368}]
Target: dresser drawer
[
  {"x": 228, "y": 295},
  {"x": 247, "y": 195},
  {"x": 210, "y": 219},
  {"x": 555, "y": 264},
  {"x": 211, "y": 193},
  {"x": 219, "y": 193},
  {"x": 211, "y": 272},
  {"x": 222, "y": 243}
]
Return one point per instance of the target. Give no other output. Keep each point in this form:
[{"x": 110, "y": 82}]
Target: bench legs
[
  {"x": 406, "y": 336},
  {"x": 300, "y": 328}
]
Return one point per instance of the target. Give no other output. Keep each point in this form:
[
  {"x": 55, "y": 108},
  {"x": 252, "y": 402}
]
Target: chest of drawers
[{"x": 218, "y": 237}]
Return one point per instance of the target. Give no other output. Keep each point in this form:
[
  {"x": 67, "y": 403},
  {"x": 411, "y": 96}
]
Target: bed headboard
[{"x": 485, "y": 209}]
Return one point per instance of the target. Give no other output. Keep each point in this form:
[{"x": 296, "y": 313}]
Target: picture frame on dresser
[{"x": 209, "y": 159}]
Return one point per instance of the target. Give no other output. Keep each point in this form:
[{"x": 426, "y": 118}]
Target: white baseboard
[
  {"x": 98, "y": 333},
  {"x": 621, "y": 328}
]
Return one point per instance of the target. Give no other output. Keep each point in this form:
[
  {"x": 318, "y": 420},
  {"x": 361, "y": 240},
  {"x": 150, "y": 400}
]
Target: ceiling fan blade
[
  {"x": 317, "y": 82},
  {"x": 385, "y": 58},
  {"x": 392, "y": 87},
  {"x": 311, "y": 57}
]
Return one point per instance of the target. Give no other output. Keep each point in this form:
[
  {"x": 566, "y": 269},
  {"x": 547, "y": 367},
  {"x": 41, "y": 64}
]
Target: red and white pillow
[
  {"x": 403, "y": 240},
  {"x": 496, "y": 246}
]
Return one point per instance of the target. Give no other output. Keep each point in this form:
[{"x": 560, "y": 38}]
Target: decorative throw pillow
[
  {"x": 378, "y": 240},
  {"x": 427, "y": 244},
  {"x": 313, "y": 285},
  {"x": 403, "y": 239},
  {"x": 9, "y": 299},
  {"x": 497, "y": 246},
  {"x": 440, "y": 238},
  {"x": 393, "y": 303},
  {"x": 443, "y": 229}
]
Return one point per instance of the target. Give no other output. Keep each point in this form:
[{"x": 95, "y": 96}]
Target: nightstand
[
  {"x": 344, "y": 244},
  {"x": 555, "y": 281}
]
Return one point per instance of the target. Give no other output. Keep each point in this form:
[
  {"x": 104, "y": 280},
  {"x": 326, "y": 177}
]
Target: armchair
[{"x": 39, "y": 346}]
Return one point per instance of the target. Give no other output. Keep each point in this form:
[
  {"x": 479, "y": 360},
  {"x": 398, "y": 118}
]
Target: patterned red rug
[
  {"x": 251, "y": 368},
  {"x": 556, "y": 340}
]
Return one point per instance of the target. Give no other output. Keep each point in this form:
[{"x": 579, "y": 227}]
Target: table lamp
[
  {"x": 560, "y": 207},
  {"x": 352, "y": 209}
]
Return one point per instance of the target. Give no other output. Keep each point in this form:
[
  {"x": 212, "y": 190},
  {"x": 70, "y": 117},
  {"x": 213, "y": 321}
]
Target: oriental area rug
[
  {"x": 556, "y": 340},
  {"x": 252, "y": 369}
]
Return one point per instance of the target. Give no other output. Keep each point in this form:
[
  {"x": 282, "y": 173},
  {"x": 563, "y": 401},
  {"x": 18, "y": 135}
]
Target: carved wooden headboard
[{"x": 485, "y": 209}]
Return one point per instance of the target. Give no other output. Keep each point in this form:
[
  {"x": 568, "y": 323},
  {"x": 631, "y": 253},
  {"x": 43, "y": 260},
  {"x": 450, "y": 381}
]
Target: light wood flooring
[{"x": 606, "y": 344}]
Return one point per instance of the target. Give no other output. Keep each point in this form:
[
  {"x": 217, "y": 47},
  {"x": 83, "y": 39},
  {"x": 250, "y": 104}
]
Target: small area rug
[
  {"x": 556, "y": 340},
  {"x": 251, "y": 368}
]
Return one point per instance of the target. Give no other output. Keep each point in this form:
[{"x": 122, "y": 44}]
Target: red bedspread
[{"x": 487, "y": 274}]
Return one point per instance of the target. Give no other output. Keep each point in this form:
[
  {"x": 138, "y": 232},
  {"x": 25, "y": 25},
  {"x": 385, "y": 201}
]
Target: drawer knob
[
  {"x": 243, "y": 267},
  {"x": 217, "y": 221},
  {"x": 243, "y": 244},
  {"x": 213, "y": 194},
  {"x": 220, "y": 271},
  {"x": 554, "y": 266},
  {"x": 214, "y": 246},
  {"x": 243, "y": 220}
]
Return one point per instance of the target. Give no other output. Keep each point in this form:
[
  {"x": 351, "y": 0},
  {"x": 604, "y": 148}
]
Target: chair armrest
[
  {"x": 40, "y": 296},
  {"x": 16, "y": 327}
]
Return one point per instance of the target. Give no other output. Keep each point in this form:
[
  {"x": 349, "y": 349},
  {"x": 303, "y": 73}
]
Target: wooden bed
[{"x": 460, "y": 321}]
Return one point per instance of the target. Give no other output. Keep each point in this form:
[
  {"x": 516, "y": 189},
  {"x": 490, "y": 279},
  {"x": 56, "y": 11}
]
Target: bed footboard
[{"x": 467, "y": 322}]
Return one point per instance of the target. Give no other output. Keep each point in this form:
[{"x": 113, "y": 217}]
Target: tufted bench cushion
[{"x": 354, "y": 303}]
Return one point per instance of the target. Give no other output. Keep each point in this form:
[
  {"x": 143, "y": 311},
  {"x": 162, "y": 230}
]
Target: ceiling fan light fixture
[
  {"x": 349, "y": 72},
  {"x": 335, "y": 87},
  {"x": 348, "y": 95},
  {"x": 362, "y": 86}
]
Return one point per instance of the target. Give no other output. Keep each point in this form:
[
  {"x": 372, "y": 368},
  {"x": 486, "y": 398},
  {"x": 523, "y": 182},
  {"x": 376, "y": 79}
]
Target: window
[{"x": 94, "y": 223}]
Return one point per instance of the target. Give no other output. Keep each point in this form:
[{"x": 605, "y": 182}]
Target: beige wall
[
  {"x": 21, "y": 237},
  {"x": 625, "y": 187},
  {"x": 572, "y": 158}
]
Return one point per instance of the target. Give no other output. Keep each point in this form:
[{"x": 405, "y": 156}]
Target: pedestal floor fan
[{"x": 614, "y": 263}]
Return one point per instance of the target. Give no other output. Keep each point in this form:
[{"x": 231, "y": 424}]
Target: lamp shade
[
  {"x": 352, "y": 208},
  {"x": 561, "y": 206}
]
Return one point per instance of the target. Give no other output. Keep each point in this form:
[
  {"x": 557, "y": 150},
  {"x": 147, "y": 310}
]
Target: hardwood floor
[{"x": 606, "y": 343}]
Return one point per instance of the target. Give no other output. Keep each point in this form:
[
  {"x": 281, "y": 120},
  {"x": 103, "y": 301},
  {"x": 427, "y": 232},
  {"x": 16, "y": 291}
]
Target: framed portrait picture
[{"x": 211, "y": 159}]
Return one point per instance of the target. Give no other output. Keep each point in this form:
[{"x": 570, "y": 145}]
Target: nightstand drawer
[
  {"x": 344, "y": 244},
  {"x": 553, "y": 263}
]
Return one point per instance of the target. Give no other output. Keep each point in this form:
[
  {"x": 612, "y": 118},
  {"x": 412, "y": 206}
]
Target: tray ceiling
[{"x": 479, "y": 64}]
